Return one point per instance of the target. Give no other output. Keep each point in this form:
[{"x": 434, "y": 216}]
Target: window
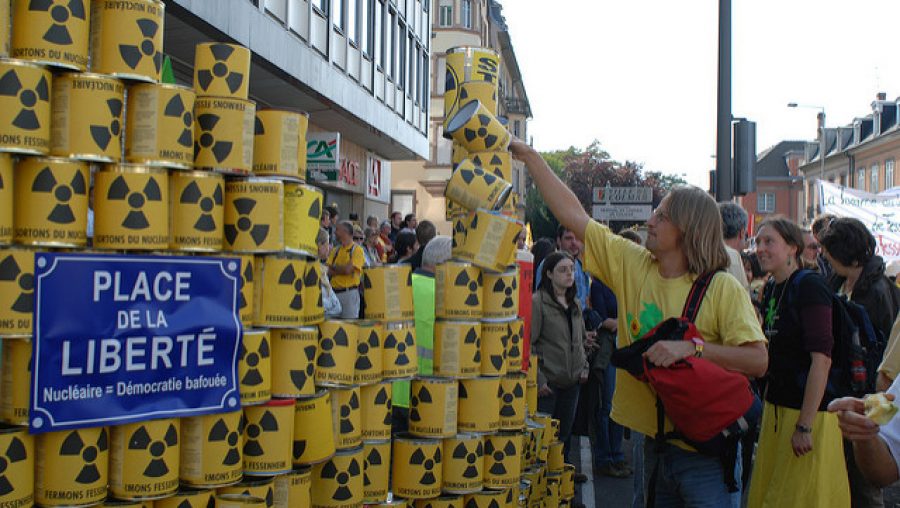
[
  {"x": 337, "y": 14},
  {"x": 873, "y": 183},
  {"x": 426, "y": 101},
  {"x": 353, "y": 22},
  {"x": 365, "y": 26},
  {"x": 321, "y": 5},
  {"x": 378, "y": 29},
  {"x": 861, "y": 179},
  {"x": 465, "y": 13},
  {"x": 445, "y": 13},
  {"x": 765, "y": 202},
  {"x": 391, "y": 43},
  {"x": 413, "y": 60},
  {"x": 403, "y": 201},
  {"x": 517, "y": 126},
  {"x": 888, "y": 174}
]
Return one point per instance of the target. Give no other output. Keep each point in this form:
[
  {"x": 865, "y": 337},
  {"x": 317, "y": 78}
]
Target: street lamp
[{"x": 820, "y": 117}]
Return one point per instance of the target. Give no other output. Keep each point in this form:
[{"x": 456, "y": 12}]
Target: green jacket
[
  {"x": 557, "y": 336},
  {"x": 423, "y": 302}
]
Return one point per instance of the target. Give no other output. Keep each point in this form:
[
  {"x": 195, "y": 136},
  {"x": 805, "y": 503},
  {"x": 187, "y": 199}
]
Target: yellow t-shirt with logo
[
  {"x": 645, "y": 299},
  {"x": 343, "y": 256}
]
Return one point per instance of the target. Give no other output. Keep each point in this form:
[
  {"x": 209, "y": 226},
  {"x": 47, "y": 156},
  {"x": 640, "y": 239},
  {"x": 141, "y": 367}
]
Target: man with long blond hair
[{"x": 684, "y": 240}]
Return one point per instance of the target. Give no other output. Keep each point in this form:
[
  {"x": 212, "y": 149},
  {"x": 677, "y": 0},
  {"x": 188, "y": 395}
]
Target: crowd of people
[{"x": 767, "y": 314}]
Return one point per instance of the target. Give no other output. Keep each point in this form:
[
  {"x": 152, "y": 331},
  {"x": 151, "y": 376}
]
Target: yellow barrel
[
  {"x": 458, "y": 154},
  {"x": 457, "y": 348},
  {"x": 494, "y": 336},
  {"x": 498, "y": 163},
  {"x": 24, "y": 107},
  {"x": 445, "y": 501},
  {"x": 512, "y": 401},
  {"x": 278, "y": 291},
  {"x": 479, "y": 404},
  {"x": 7, "y": 195},
  {"x": 337, "y": 353},
  {"x": 314, "y": 437},
  {"x": 87, "y": 117},
  {"x": 368, "y": 366},
  {"x": 279, "y": 144},
  {"x": 313, "y": 309},
  {"x": 531, "y": 398},
  {"x": 347, "y": 419},
  {"x": 222, "y": 70},
  {"x": 123, "y": 502},
  {"x": 254, "y": 211},
  {"x": 15, "y": 381},
  {"x": 452, "y": 210},
  {"x": 501, "y": 294},
  {"x": 131, "y": 208},
  {"x": 457, "y": 291},
  {"x": 467, "y": 63},
  {"x": 416, "y": 470},
  {"x": 377, "y": 470},
  {"x": 239, "y": 501},
  {"x": 197, "y": 212},
  {"x": 387, "y": 291},
  {"x": 293, "y": 489},
  {"x": 143, "y": 459},
  {"x": 471, "y": 91},
  {"x": 262, "y": 488},
  {"x": 268, "y": 436},
  {"x": 16, "y": 293},
  {"x": 463, "y": 463},
  {"x": 375, "y": 411},
  {"x": 127, "y": 39},
  {"x": 514, "y": 345},
  {"x": 160, "y": 126},
  {"x": 17, "y": 478},
  {"x": 552, "y": 497},
  {"x": 293, "y": 361},
  {"x": 545, "y": 421},
  {"x": 255, "y": 367},
  {"x": 531, "y": 443},
  {"x": 51, "y": 202},
  {"x": 211, "y": 450},
  {"x": 511, "y": 207},
  {"x": 338, "y": 482},
  {"x": 223, "y": 134},
  {"x": 71, "y": 465},
  {"x": 567, "y": 482},
  {"x": 460, "y": 225},
  {"x": 400, "y": 358},
  {"x": 502, "y": 456},
  {"x": 477, "y": 129},
  {"x": 472, "y": 187},
  {"x": 555, "y": 459},
  {"x": 187, "y": 497},
  {"x": 491, "y": 499},
  {"x": 532, "y": 373},
  {"x": 50, "y": 33},
  {"x": 246, "y": 300},
  {"x": 491, "y": 240},
  {"x": 432, "y": 407},
  {"x": 302, "y": 212}
]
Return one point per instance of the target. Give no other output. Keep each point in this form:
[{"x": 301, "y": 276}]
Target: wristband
[
  {"x": 803, "y": 429},
  {"x": 698, "y": 347}
]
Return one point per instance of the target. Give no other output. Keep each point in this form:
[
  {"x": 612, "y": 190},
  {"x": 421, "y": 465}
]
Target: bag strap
[{"x": 695, "y": 297}]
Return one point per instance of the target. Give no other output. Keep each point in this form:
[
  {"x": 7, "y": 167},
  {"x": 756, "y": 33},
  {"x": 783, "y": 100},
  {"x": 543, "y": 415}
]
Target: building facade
[
  {"x": 779, "y": 185},
  {"x": 418, "y": 187},
  {"x": 360, "y": 68}
]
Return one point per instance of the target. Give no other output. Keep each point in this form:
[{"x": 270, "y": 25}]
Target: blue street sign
[{"x": 121, "y": 339}]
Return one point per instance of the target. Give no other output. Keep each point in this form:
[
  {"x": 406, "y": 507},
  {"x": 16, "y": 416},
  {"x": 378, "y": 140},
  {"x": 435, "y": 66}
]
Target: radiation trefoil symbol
[
  {"x": 402, "y": 346},
  {"x": 252, "y": 359},
  {"x": 488, "y": 139},
  {"x": 103, "y": 134},
  {"x": 74, "y": 445},
  {"x": 352, "y": 404},
  {"x": 311, "y": 280},
  {"x": 372, "y": 459},
  {"x": 267, "y": 423},
  {"x": 15, "y": 452},
  {"x": 472, "y": 457},
  {"x": 473, "y": 338},
  {"x": 514, "y": 339},
  {"x": 257, "y": 232},
  {"x": 301, "y": 377},
  {"x": 468, "y": 175},
  {"x": 418, "y": 458},
  {"x": 58, "y": 33},
  {"x": 382, "y": 399},
  {"x": 327, "y": 345},
  {"x": 342, "y": 478},
  {"x": 363, "y": 348},
  {"x": 507, "y": 289},
  {"x": 220, "y": 71},
  {"x": 499, "y": 455},
  {"x": 134, "y": 55},
  {"x": 495, "y": 164},
  {"x": 176, "y": 109},
  {"x": 473, "y": 285},
  {"x": 289, "y": 277},
  {"x": 207, "y": 141},
  {"x": 221, "y": 433},
  {"x": 11, "y": 272},
  {"x": 141, "y": 440},
  {"x": 11, "y": 86},
  {"x": 119, "y": 191},
  {"x": 507, "y": 399},
  {"x": 423, "y": 396},
  {"x": 192, "y": 195},
  {"x": 45, "y": 182}
]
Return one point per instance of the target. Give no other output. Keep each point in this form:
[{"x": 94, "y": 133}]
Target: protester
[
  {"x": 425, "y": 231},
  {"x": 684, "y": 240},
  {"x": 521, "y": 238},
  {"x": 329, "y": 299},
  {"x": 372, "y": 222},
  {"x": 370, "y": 246},
  {"x": 558, "y": 337},
  {"x": 810, "y": 256},
  {"x": 734, "y": 230},
  {"x": 799, "y": 455},
  {"x": 540, "y": 249},
  {"x": 818, "y": 229},
  {"x": 410, "y": 221},
  {"x": 384, "y": 241},
  {"x": 396, "y": 225},
  {"x": 567, "y": 241},
  {"x": 332, "y": 210},
  {"x": 359, "y": 238},
  {"x": 405, "y": 246},
  {"x": 345, "y": 269},
  {"x": 325, "y": 223}
]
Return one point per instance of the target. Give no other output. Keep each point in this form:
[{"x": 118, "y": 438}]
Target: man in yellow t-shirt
[
  {"x": 345, "y": 265},
  {"x": 684, "y": 240}
]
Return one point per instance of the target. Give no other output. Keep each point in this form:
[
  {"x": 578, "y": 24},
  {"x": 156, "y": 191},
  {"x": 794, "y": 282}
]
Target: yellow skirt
[{"x": 780, "y": 479}]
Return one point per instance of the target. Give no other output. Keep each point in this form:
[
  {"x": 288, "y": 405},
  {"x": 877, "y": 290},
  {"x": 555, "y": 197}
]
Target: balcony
[{"x": 515, "y": 106}]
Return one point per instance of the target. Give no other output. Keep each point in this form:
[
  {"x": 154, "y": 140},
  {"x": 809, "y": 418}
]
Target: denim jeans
[
  {"x": 608, "y": 444},
  {"x": 688, "y": 479},
  {"x": 561, "y": 404}
]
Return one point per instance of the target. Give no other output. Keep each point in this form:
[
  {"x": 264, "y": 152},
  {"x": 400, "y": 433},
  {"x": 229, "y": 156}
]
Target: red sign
[
  {"x": 374, "y": 183},
  {"x": 349, "y": 172},
  {"x": 526, "y": 281}
]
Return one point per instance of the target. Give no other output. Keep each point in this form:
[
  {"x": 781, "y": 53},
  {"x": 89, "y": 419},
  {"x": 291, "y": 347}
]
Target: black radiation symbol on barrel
[
  {"x": 15, "y": 452},
  {"x": 119, "y": 191},
  {"x": 45, "y": 182},
  {"x": 221, "y": 433},
  {"x": 507, "y": 289},
  {"x": 472, "y": 284},
  {"x": 383, "y": 399},
  {"x": 468, "y": 175},
  {"x": 347, "y": 409},
  {"x": 364, "y": 348},
  {"x": 267, "y": 423},
  {"x": 175, "y": 109},
  {"x": 11, "y": 272},
  {"x": 290, "y": 278},
  {"x": 258, "y": 128},
  {"x": 244, "y": 224},
  {"x": 133, "y": 55},
  {"x": 471, "y": 457},
  {"x": 418, "y": 458},
  {"x": 481, "y": 132},
  {"x": 301, "y": 377},
  {"x": 11, "y": 86},
  {"x": 473, "y": 338},
  {"x": 207, "y": 141},
  {"x": 514, "y": 340},
  {"x": 402, "y": 346},
  {"x": 60, "y": 15},
  {"x": 252, "y": 359},
  {"x": 220, "y": 70},
  {"x": 73, "y": 445},
  {"x": 494, "y": 165},
  {"x": 507, "y": 399},
  {"x": 327, "y": 345},
  {"x": 423, "y": 396},
  {"x": 103, "y": 134},
  {"x": 464, "y": 94},
  {"x": 311, "y": 280},
  {"x": 342, "y": 478},
  {"x": 451, "y": 81},
  {"x": 498, "y": 455},
  {"x": 372, "y": 459},
  {"x": 498, "y": 359},
  {"x": 192, "y": 195},
  {"x": 315, "y": 208},
  {"x": 141, "y": 440},
  {"x": 459, "y": 229},
  {"x": 247, "y": 277}
]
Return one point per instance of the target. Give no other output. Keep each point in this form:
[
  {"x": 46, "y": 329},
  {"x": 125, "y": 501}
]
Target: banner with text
[
  {"x": 120, "y": 339},
  {"x": 879, "y": 212}
]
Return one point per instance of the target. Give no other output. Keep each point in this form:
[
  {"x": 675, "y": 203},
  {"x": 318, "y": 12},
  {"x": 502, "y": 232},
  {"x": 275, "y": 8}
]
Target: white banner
[{"x": 879, "y": 212}]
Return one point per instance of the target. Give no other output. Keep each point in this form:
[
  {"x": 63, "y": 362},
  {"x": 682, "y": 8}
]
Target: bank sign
[
  {"x": 120, "y": 339},
  {"x": 323, "y": 156}
]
